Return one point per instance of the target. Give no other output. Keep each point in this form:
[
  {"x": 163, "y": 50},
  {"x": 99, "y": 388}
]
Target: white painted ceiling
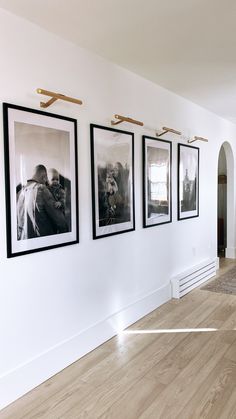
[{"x": 186, "y": 46}]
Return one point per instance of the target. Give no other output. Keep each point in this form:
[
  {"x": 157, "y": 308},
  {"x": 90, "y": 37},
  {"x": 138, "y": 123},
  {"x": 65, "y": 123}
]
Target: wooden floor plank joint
[{"x": 151, "y": 375}]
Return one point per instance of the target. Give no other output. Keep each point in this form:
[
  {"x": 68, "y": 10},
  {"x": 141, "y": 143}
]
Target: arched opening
[
  {"x": 226, "y": 236},
  {"x": 222, "y": 203}
]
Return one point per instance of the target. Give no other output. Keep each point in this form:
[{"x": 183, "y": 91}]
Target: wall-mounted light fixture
[
  {"x": 121, "y": 119},
  {"x": 195, "y": 138},
  {"x": 168, "y": 130},
  {"x": 55, "y": 96}
]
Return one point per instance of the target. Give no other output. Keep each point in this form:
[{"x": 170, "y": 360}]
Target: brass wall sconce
[
  {"x": 56, "y": 96},
  {"x": 168, "y": 130},
  {"x": 121, "y": 119}
]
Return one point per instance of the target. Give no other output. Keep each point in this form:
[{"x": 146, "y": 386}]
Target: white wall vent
[{"x": 193, "y": 277}]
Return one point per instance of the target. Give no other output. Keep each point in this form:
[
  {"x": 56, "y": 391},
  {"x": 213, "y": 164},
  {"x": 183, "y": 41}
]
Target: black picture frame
[
  {"x": 188, "y": 182},
  {"x": 112, "y": 169},
  {"x": 41, "y": 179},
  {"x": 157, "y": 181}
]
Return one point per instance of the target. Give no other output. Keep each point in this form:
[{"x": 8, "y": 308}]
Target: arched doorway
[{"x": 226, "y": 235}]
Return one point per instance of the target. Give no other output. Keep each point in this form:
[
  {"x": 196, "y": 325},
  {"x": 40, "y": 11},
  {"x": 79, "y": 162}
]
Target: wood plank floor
[{"x": 173, "y": 375}]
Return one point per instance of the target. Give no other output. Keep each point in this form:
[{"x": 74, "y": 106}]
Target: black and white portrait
[
  {"x": 42, "y": 179},
  {"x": 112, "y": 181},
  {"x": 188, "y": 185},
  {"x": 157, "y": 181}
]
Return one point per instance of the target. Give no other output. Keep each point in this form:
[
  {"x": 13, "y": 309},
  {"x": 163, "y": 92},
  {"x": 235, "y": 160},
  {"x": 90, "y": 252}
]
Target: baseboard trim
[
  {"x": 230, "y": 252},
  {"x": 19, "y": 381}
]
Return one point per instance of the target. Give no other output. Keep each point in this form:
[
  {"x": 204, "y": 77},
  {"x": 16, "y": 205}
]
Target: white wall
[{"x": 59, "y": 304}]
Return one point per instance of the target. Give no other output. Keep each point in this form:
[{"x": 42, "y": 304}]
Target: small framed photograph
[
  {"x": 157, "y": 156},
  {"x": 188, "y": 181},
  {"x": 41, "y": 180},
  {"x": 112, "y": 163}
]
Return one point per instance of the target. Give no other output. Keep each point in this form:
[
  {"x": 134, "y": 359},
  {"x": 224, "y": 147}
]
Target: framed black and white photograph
[
  {"x": 188, "y": 181},
  {"x": 41, "y": 180},
  {"x": 156, "y": 181},
  {"x": 112, "y": 163}
]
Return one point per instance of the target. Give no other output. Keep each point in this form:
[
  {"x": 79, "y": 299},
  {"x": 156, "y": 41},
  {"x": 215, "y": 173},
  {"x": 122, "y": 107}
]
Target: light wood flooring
[{"x": 168, "y": 375}]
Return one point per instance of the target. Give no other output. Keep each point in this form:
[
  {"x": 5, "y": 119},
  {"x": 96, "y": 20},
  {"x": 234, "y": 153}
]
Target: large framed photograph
[
  {"x": 112, "y": 162},
  {"x": 188, "y": 181},
  {"x": 41, "y": 180},
  {"x": 157, "y": 156}
]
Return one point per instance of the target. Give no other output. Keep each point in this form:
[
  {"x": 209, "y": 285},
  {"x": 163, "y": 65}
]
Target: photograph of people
[
  {"x": 112, "y": 167},
  {"x": 41, "y": 180},
  {"x": 39, "y": 212},
  {"x": 43, "y": 203}
]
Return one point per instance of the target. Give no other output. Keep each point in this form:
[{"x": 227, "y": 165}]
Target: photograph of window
[{"x": 156, "y": 181}]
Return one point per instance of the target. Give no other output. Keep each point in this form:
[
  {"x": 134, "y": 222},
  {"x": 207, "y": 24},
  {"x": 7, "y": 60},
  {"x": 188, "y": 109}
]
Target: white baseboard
[
  {"x": 19, "y": 381},
  {"x": 230, "y": 252}
]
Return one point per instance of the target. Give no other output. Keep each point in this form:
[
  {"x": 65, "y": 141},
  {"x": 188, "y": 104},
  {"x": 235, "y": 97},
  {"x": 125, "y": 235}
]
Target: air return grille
[{"x": 192, "y": 278}]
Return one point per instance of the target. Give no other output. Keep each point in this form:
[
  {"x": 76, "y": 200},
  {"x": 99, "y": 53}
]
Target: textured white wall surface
[{"x": 57, "y": 305}]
